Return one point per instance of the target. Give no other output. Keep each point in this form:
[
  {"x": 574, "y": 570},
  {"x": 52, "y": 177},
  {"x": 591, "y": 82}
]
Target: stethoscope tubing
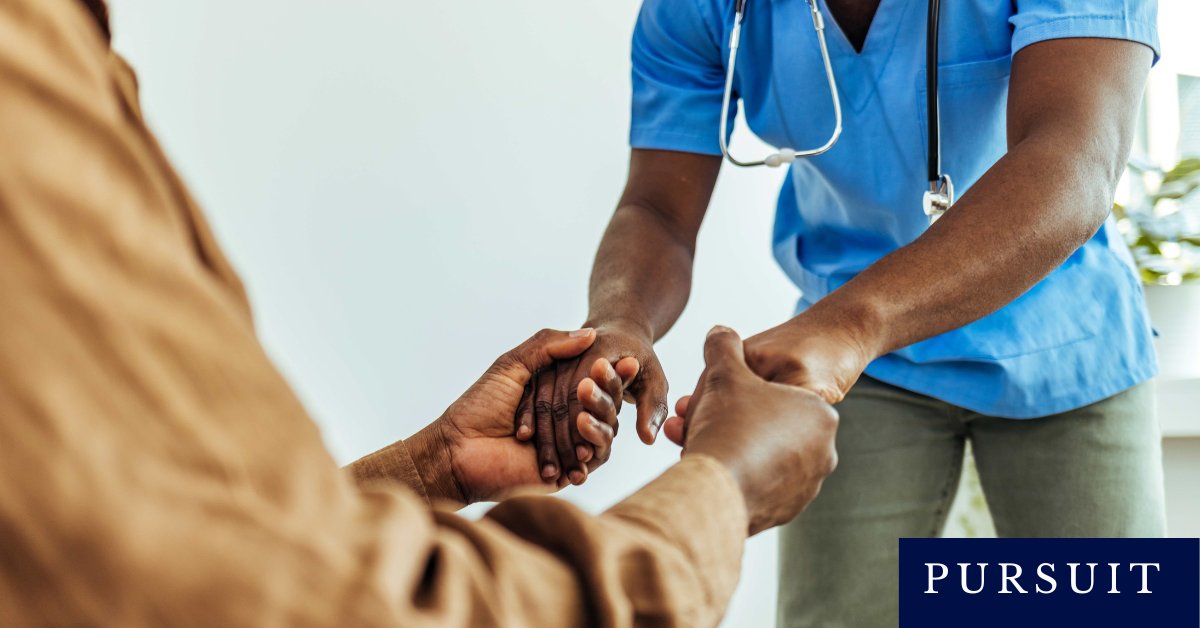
[
  {"x": 787, "y": 155},
  {"x": 932, "y": 112},
  {"x": 784, "y": 155}
]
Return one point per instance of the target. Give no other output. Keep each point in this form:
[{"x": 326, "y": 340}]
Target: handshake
[{"x": 545, "y": 415}]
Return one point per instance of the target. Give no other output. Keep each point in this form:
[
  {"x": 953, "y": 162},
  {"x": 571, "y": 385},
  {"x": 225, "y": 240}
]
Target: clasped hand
[
  {"x": 776, "y": 440},
  {"x": 810, "y": 352},
  {"x": 480, "y": 446}
]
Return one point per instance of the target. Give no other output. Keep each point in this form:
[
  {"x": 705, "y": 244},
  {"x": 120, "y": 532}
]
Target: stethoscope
[{"x": 940, "y": 195}]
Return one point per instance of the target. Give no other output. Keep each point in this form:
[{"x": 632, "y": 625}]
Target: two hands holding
[{"x": 545, "y": 414}]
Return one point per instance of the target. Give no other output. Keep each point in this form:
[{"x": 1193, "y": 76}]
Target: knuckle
[
  {"x": 831, "y": 461},
  {"x": 828, "y": 417},
  {"x": 542, "y": 406},
  {"x": 830, "y": 394},
  {"x": 559, "y": 411}
]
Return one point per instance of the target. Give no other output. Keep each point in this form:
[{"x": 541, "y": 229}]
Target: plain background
[{"x": 409, "y": 189}]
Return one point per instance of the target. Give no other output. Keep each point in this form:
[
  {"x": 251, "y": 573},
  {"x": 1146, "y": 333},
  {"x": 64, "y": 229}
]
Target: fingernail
[
  {"x": 523, "y": 431},
  {"x": 717, "y": 329},
  {"x": 595, "y": 396},
  {"x": 581, "y": 452},
  {"x": 586, "y": 331},
  {"x": 595, "y": 422},
  {"x": 576, "y": 477},
  {"x": 549, "y": 471}
]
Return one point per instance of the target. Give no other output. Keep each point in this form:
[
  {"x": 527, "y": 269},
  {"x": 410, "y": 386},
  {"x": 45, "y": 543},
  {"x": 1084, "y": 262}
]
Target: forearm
[
  {"x": 642, "y": 275},
  {"x": 1071, "y": 110},
  {"x": 643, "y": 271},
  {"x": 1020, "y": 221}
]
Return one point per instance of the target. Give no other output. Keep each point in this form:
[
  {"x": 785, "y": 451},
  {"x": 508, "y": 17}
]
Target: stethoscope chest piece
[{"x": 938, "y": 198}]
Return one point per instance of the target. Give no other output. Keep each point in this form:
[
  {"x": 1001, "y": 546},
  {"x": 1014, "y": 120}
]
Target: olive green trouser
[{"x": 1091, "y": 472}]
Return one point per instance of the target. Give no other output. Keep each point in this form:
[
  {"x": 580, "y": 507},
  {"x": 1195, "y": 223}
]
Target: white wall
[{"x": 411, "y": 188}]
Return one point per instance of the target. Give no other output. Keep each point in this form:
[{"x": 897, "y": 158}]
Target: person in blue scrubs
[{"x": 1016, "y": 321}]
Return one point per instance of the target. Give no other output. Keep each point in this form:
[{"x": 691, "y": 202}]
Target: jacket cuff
[
  {"x": 389, "y": 465},
  {"x": 698, "y": 495}
]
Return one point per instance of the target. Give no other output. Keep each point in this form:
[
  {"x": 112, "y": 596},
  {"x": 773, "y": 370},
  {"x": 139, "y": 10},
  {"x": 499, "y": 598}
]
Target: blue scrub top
[{"x": 1079, "y": 336}]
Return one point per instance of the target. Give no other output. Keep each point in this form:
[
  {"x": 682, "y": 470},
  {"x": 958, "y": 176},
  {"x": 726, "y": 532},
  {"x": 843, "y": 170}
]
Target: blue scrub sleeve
[
  {"x": 678, "y": 76},
  {"x": 1042, "y": 20}
]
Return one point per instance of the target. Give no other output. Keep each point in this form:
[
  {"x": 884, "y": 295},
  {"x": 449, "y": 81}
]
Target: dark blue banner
[{"x": 1025, "y": 583}]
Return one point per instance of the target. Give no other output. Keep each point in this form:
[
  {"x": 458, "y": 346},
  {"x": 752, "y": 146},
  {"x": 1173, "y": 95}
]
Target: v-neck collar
[
  {"x": 857, "y": 73},
  {"x": 841, "y": 28}
]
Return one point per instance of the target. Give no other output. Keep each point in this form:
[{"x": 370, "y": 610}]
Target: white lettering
[
  {"x": 1145, "y": 585},
  {"x": 963, "y": 569},
  {"x": 1042, "y": 574},
  {"x": 1006, "y": 578},
  {"x": 1091, "y": 576},
  {"x": 929, "y": 570},
  {"x": 1113, "y": 568}
]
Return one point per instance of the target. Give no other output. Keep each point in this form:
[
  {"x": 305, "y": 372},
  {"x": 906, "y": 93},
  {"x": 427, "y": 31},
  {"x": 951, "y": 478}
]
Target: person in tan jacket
[{"x": 157, "y": 470}]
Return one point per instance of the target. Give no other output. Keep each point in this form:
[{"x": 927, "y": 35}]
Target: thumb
[
  {"x": 650, "y": 393},
  {"x": 723, "y": 351},
  {"x": 542, "y": 349}
]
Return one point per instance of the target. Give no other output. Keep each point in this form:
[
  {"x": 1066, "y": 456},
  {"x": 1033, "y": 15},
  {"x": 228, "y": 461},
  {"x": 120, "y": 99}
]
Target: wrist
[
  {"x": 860, "y": 325},
  {"x": 430, "y": 451},
  {"x": 734, "y": 471},
  {"x": 628, "y": 325}
]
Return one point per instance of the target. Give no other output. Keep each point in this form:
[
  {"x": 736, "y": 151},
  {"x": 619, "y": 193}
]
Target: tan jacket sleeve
[
  {"x": 392, "y": 464},
  {"x": 159, "y": 471}
]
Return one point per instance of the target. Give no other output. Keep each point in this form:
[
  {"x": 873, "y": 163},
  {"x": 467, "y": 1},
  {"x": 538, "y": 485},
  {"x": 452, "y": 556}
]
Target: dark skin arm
[
  {"x": 640, "y": 283},
  {"x": 1072, "y": 104},
  {"x": 1071, "y": 111}
]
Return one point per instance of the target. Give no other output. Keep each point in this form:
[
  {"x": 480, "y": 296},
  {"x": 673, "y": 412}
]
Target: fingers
[
  {"x": 681, "y": 406},
  {"x": 599, "y": 434},
  {"x": 627, "y": 369},
  {"x": 581, "y": 451},
  {"x": 650, "y": 390},
  {"x": 541, "y": 350},
  {"x": 597, "y": 402},
  {"x": 606, "y": 376},
  {"x": 723, "y": 352},
  {"x": 543, "y": 412},
  {"x": 675, "y": 429},
  {"x": 611, "y": 384},
  {"x": 600, "y": 397},
  {"x": 565, "y": 398},
  {"x": 525, "y": 420}
]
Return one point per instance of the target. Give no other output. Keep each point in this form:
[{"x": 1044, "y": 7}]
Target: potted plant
[{"x": 1165, "y": 240}]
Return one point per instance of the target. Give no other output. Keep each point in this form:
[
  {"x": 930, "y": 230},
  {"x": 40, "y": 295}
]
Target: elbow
[
  {"x": 1094, "y": 172},
  {"x": 1105, "y": 163},
  {"x": 1081, "y": 167}
]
